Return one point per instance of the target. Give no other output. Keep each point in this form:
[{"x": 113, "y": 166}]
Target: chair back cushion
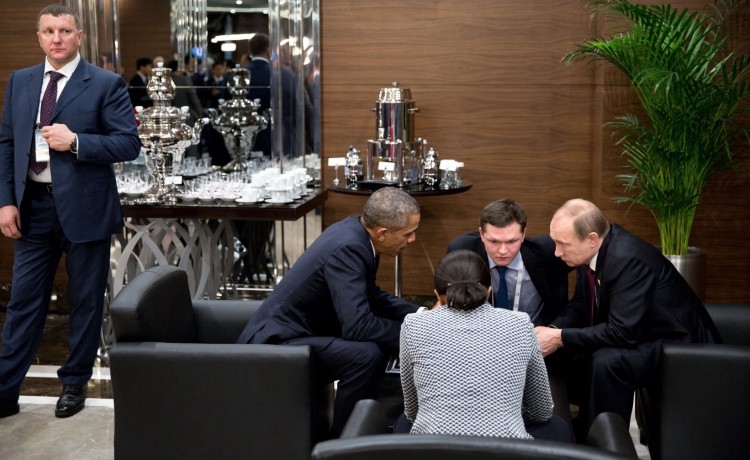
[
  {"x": 704, "y": 401},
  {"x": 222, "y": 321},
  {"x": 732, "y": 321},
  {"x": 155, "y": 306}
]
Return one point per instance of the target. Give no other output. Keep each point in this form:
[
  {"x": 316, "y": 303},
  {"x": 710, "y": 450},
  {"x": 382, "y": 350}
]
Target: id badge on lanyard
[{"x": 40, "y": 145}]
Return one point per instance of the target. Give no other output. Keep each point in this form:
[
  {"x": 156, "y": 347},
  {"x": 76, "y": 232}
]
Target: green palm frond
[{"x": 692, "y": 90}]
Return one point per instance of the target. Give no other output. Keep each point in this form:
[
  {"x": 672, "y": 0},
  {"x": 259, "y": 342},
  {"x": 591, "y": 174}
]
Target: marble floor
[{"x": 36, "y": 434}]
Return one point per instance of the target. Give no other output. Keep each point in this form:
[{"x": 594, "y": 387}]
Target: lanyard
[
  {"x": 519, "y": 281},
  {"x": 521, "y": 274}
]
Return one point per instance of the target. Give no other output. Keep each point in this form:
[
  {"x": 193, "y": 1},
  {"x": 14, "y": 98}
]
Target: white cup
[
  {"x": 250, "y": 194},
  {"x": 281, "y": 194}
]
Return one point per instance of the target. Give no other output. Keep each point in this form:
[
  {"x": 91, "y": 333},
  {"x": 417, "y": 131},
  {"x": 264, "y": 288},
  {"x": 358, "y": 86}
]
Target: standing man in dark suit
[
  {"x": 534, "y": 281},
  {"x": 329, "y": 300},
  {"x": 260, "y": 85},
  {"x": 139, "y": 82},
  {"x": 629, "y": 299},
  {"x": 58, "y": 194}
]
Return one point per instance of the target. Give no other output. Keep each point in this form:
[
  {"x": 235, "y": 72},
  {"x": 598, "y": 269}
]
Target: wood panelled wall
[
  {"x": 492, "y": 92},
  {"x": 21, "y": 49},
  {"x": 144, "y": 32}
]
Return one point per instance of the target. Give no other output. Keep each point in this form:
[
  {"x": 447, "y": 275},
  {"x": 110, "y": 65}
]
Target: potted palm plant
[{"x": 692, "y": 90}]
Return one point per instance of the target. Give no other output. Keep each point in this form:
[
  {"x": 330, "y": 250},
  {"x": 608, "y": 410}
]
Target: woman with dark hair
[{"x": 471, "y": 369}]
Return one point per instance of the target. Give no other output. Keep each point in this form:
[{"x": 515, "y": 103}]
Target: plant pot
[{"x": 692, "y": 267}]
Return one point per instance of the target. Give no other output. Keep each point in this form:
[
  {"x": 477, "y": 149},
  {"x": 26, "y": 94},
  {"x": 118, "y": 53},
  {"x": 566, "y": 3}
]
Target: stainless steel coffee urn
[{"x": 394, "y": 141}]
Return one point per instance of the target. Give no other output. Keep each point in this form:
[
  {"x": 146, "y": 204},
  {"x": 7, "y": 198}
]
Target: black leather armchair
[
  {"x": 699, "y": 407},
  {"x": 184, "y": 390},
  {"x": 363, "y": 438}
]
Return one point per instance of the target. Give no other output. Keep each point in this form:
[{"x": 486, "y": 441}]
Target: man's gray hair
[
  {"x": 587, "y": 218},
  {"x": 57, "y": 11},
  {"x": 389, "y": 207}
]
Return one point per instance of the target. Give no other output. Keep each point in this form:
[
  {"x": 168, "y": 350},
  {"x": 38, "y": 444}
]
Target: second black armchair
[{"x": 184, "y": 390}]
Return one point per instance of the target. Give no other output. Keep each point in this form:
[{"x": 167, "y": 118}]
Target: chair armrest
[
  {"x": 450, "y": 447},
  {"x": 366, "y": 418},
  {"x": 187, "y": 400},
  {"x": 222, "y": 321},
  {"x": 610, "y": 432}
]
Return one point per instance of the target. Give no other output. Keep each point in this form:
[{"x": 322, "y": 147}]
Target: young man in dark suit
[
  {"x": 58, "y": 194},
  {"x": 329, "y": 300},
  {"x": 629, "y": 299}
]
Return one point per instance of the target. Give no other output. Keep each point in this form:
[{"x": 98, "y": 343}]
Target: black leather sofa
[
  {"x": 184, "y": 390},
  {"x": 365, "y": 438}
]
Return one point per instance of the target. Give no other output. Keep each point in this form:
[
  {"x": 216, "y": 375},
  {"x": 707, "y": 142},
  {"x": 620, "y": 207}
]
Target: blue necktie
[{"x": 501, "y": 295}]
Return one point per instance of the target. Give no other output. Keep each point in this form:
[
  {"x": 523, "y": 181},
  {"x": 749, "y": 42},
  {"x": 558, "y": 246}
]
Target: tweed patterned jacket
[{"x": 477, "y": 372}]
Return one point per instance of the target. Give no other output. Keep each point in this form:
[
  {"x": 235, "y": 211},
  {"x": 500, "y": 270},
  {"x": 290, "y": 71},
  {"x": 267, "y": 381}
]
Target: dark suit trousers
[
  {"x": 37, "y": 254},
  {"x": 607, "y": 379},
  {"x": 358, "y": 366}
]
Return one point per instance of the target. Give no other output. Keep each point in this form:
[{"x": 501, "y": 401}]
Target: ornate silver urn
[
  {"x": 429, "y": 173},
  {"x": 354, "y": 166},
  {"x": 239, "y": 121},
  {"x": 165, "y": 135}
]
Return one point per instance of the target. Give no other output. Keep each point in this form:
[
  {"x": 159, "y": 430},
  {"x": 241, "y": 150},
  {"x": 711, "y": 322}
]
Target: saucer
[
  {"x": 228, "y": 199},
  {"x": 206, "y": 199},
  {"x": 289, "y": 200},
  {"x": 244, "y": 201},
  {"x": 188, "y": 199}
]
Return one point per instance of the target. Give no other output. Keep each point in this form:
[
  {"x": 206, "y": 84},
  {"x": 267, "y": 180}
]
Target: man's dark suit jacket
[
  {"x": 641, "y": 298},
  {"x": 138, "y": 92},
  {"x": 548, "y": 273},
  {"x": 260, "y": 88},
  {"x": 94, "y": 105},
  {"x": 330, "y": 292}
]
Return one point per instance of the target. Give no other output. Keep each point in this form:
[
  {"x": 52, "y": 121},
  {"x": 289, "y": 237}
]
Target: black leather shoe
[
  {"x": 7, "y": 411},
  {"x": 71, "y": 401}
]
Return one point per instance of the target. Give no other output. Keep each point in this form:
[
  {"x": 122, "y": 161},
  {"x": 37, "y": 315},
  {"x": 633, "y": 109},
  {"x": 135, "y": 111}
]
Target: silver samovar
[
  {"x": 239, "y": 121},
  {"x": 165, "y": 135}
]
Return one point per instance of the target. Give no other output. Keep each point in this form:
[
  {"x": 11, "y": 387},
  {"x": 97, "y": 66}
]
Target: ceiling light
[{"x": 231, "y": 37}]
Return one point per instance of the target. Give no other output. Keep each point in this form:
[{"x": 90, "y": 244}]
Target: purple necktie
[
  {"x": 591, "y": 288},
  {"x": 45, "y": 115}
]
